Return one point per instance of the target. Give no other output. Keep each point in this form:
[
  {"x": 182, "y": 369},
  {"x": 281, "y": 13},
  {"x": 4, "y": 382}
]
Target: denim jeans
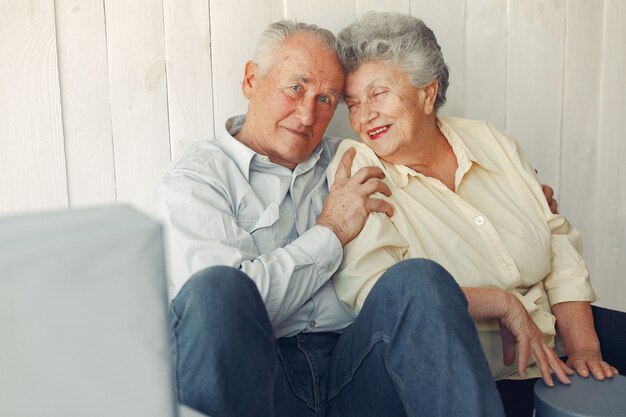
[{"x": 412, "y": 351}]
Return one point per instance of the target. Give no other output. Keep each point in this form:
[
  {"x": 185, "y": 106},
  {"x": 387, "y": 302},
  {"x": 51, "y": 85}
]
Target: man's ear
[
  {"x": 428, "y": 96},
  {"x": 249, "y": 78}
]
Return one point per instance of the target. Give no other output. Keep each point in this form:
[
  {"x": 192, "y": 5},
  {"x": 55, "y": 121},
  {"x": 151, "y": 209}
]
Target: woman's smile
[{"x": 378, "y": 132}]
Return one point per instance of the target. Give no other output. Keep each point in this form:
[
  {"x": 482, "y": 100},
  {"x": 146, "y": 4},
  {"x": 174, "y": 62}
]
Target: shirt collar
[
  {"x": 466, "y": 149},
  {"x": 466, "y": 145},
  {"x": 244, "y": 157}
]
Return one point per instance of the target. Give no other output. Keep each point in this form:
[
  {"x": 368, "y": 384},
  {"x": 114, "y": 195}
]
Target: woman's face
[{"x": 387, "y": 110}]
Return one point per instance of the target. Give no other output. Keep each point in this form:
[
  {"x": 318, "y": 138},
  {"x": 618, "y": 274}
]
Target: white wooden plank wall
[
  {"x": 32, "y": 159},
  {"x": 96, "y": 97},
  {"x": 82, "y": 49},
  {"x": 188, "y": 63}
]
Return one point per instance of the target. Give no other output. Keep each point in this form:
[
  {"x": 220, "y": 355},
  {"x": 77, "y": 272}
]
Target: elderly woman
[{"x": 465, "y": 197}]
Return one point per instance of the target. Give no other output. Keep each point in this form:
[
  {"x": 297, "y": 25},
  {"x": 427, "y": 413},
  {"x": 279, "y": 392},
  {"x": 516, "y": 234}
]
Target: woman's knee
[{"x": 418, "y": 278}]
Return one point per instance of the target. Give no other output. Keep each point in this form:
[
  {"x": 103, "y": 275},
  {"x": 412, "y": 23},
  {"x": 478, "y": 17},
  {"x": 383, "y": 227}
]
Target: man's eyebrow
[
  {"x": 335, "y": 93},
  {"x": 301, "y": 79}
]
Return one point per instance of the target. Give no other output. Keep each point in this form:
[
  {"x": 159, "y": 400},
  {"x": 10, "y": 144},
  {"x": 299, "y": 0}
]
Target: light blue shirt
[{"x": 224, "y": 204}]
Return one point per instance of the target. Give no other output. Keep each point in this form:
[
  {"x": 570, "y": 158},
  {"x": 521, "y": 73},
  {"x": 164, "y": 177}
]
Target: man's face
[{"x": 291, "y": 105}]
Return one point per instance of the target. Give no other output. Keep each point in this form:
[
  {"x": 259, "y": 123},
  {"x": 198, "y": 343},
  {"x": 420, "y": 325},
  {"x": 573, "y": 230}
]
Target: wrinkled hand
[
  {"x": 518, "y": 328},
  {"x": 548, "y": 192},
  {"x": 349, "y": 203},
  {"x": 590, "y": 361}
]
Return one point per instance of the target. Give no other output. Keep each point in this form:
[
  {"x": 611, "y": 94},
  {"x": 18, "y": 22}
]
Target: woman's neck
[{"x": 434, "y": 157}]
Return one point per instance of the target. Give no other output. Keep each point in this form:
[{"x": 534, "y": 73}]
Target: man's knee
[
  {"x": 217, "y": 287},
  {"x": 420, "y": 279}
]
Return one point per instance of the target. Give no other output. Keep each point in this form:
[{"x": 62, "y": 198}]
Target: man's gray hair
[
  {"x": 278, "y": 32},
  {"x": 397, "y": 39}
]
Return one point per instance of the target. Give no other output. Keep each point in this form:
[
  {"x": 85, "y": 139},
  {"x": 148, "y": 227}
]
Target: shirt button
[
  {"x": 312, "y": 323},
  {"x": 479, "y": 220},
  {"x": 329, "y": 267}
]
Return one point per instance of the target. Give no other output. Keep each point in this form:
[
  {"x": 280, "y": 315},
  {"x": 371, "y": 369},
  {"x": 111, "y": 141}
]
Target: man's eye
[
  {"x": 325, "y": 100},
  {"x": 297, "y": 88},
  {"x": 379, "y": 93}
]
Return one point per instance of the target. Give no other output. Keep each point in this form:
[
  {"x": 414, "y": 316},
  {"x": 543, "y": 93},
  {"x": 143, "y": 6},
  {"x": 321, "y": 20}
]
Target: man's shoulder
[{"x": 204, "y": 156}]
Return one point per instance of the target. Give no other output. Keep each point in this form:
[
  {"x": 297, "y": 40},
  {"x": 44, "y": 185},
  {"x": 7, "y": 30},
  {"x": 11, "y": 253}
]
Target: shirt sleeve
[
  {"x": 378, "y": 246},
  {"x": 568, "y": 279},
  {"x": 203, "y": 231}
]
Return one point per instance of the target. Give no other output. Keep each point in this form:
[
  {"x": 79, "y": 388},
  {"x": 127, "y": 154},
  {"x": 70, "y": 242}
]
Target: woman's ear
[
  {"x": 249, "y": 78},
  {"x": 429, "y": 96}
]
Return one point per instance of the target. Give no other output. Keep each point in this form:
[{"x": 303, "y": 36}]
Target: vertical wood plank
[
  {"x": 136, "y": 59},
  {"x": 330, "y": 14},
  {"x": 235, "y": 30},
  {"x": 535, "y": 81},
  {"x": 32, "y": 159},
  {"x": 581, "y": 112},
  {"x": 84, "y": 76},
  {"x": 485, "y": 61},
  {"x": 188, "y": 63},
  {"x": 608, "y": 242},
  {"x": 399, "y": 6},
  {"x": 446, "y": 18}
]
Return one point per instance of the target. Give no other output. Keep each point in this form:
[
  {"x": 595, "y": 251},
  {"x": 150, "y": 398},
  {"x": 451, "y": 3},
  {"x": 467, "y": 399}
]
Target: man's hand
[
  {"x": 549, "y": 193},
  {"x": 349, "y": 203}
]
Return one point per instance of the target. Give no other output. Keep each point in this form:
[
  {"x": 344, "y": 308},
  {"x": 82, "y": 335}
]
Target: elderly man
[{"x": 258, "y": 329}]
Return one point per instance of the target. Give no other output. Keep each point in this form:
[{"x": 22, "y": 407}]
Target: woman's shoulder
[
  {"x": 365, "y": 156},
  {"x": 479, "y": 130}
]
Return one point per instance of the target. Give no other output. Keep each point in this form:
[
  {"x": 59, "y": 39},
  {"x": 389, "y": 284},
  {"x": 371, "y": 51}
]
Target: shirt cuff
[{"x": 324, "y": 248}]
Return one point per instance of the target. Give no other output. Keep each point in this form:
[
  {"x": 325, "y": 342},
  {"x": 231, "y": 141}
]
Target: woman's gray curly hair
[{"x": 397, "y": 39}]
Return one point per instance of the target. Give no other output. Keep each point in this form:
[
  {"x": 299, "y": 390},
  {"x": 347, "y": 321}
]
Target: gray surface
[
  {"x": 84, "y": 316},
  {"x": 184, "y": 411},
  {"x": 584, "y": 397}
]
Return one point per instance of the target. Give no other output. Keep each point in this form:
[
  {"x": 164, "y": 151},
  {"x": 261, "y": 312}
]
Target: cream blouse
[{"x": 496, "y": 230}]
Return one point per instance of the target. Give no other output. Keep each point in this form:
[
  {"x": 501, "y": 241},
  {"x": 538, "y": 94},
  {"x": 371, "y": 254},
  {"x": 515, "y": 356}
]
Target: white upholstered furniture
[{"x": 83, "y": 313}]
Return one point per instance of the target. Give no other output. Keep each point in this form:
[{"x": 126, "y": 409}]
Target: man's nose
[{"x": 306, "y": 111}]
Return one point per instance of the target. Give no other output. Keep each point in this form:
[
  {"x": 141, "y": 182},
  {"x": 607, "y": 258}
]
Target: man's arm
[
  {"x": 548, "y": 192},
  {"x": 204, "y": 231}
]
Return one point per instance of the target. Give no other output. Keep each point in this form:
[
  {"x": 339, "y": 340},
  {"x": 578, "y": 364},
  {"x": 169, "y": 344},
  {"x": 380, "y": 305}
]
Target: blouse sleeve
[{"x": 568, "y": 279}]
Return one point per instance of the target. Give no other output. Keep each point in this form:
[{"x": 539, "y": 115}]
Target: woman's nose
[{"x": 367, "y": 112}]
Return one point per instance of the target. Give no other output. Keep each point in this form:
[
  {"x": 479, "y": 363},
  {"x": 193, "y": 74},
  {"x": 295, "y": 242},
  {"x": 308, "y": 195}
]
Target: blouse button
[{"x": 479, "y": 220}]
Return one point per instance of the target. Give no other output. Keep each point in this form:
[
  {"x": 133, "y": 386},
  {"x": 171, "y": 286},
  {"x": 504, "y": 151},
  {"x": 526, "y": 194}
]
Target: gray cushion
[{"x": 83, "y": 306}]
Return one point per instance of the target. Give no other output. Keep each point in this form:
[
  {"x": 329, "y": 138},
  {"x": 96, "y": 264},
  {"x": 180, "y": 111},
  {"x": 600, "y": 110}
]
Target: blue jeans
[{"x": 412, "y": 351}]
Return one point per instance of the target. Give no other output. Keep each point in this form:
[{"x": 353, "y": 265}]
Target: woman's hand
[
  {"x": 589, "y": 362},
  {"x": 574, "y": 320},
  {"x": 518, "y": 329}
]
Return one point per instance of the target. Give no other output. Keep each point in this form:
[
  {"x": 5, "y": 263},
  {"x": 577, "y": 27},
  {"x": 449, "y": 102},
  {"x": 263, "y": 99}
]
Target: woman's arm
[
  {"x": 517, "y": 329},
  {"x": 575, "y": 323}
]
